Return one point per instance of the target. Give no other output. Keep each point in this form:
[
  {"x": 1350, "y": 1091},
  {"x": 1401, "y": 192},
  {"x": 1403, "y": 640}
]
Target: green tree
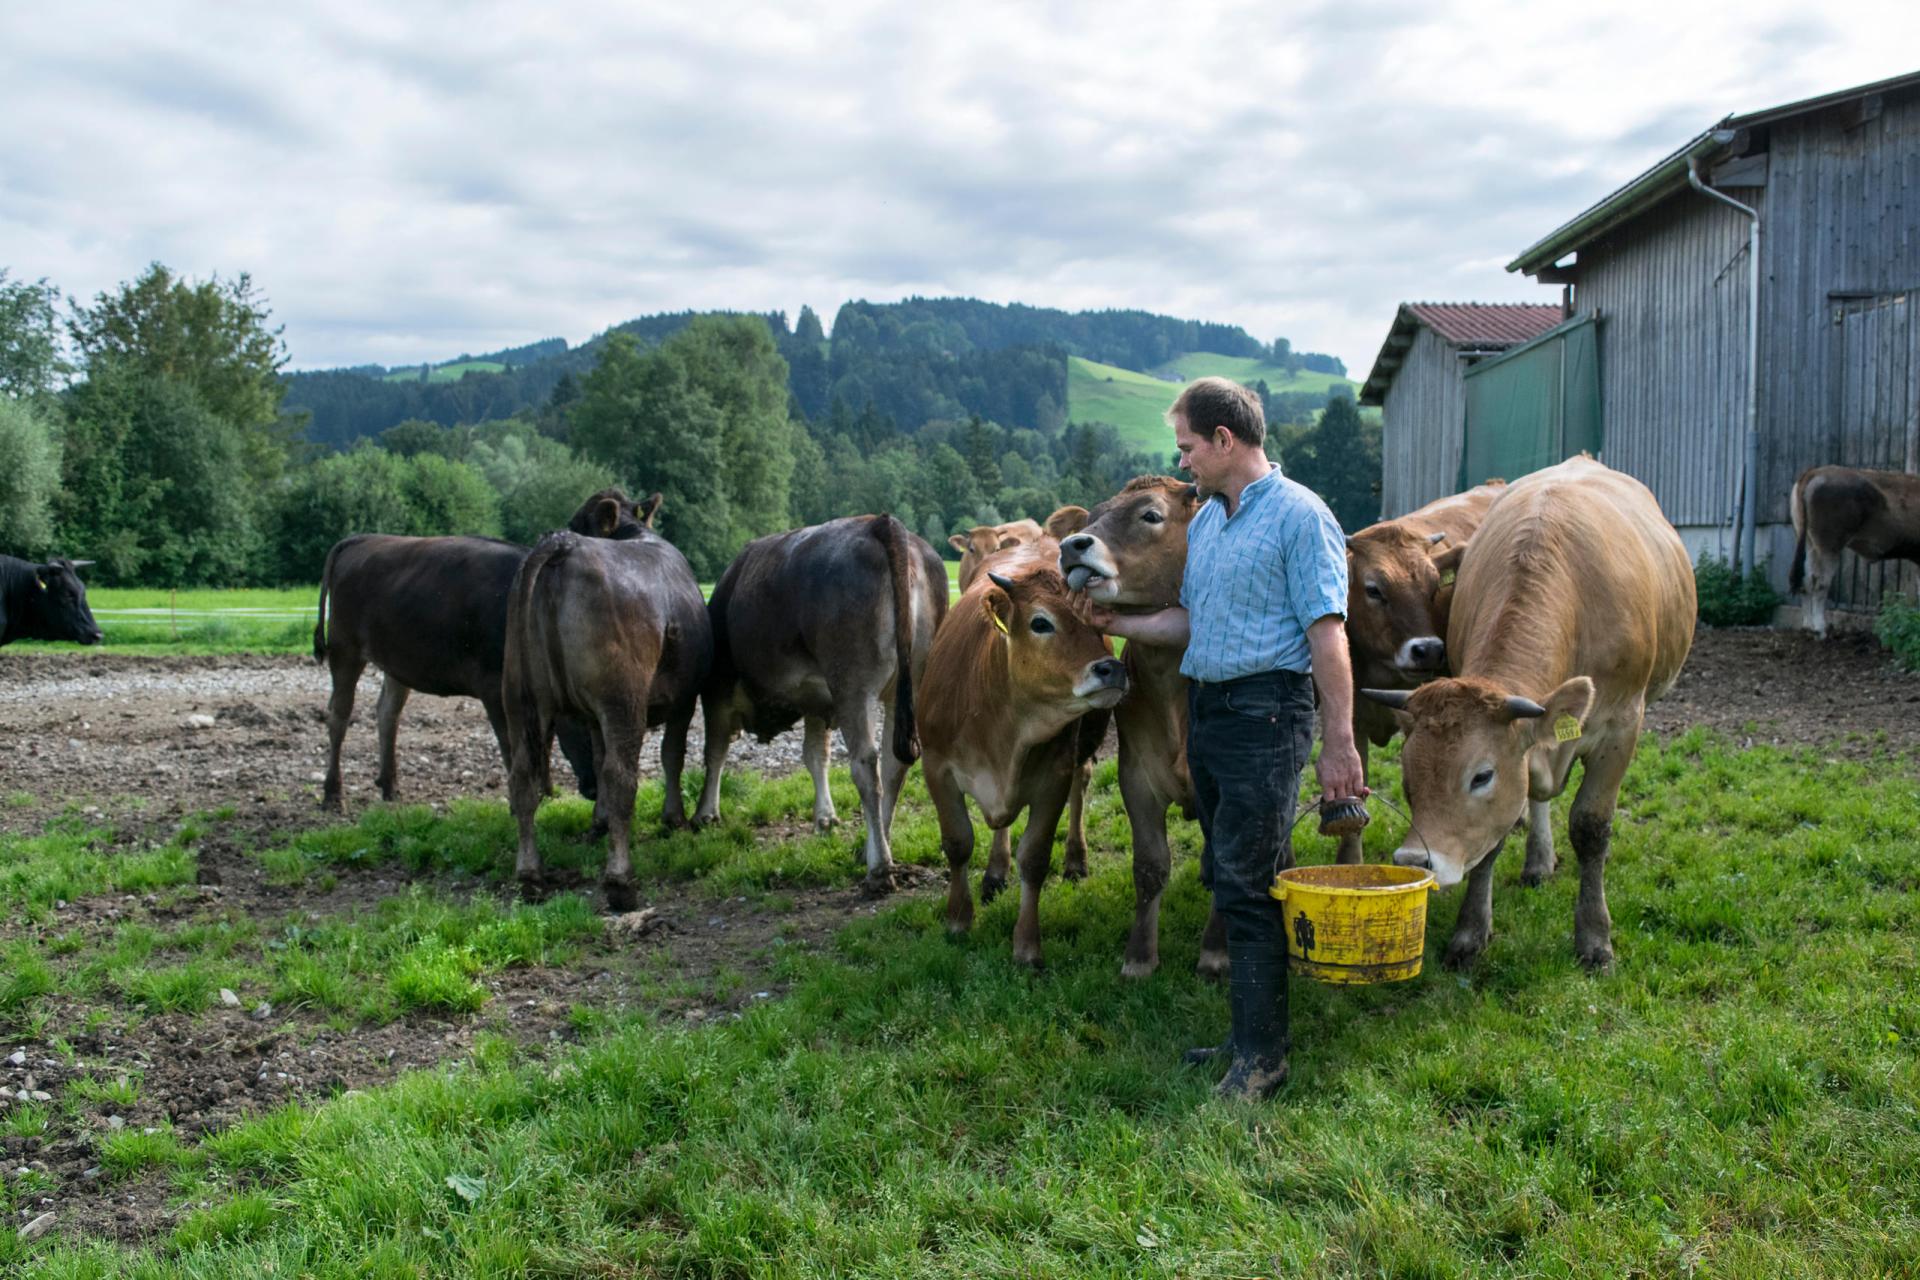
[
  {"x": 732, "y": 362},
  {"x": 447, "y": 497},
  {"x": 29, "y": 478},
  {"x": 812, "y": 495},
  {"x": 1340, "y": 460},
  {"x": 359, "y": 492},
  {"x": 944, "y": 487},
  {"x": 539, "y": 481},
  {"x": 979, "y": 443},
  {"x": 412, "y": 437},
  {"x": 30, "y": 360}
]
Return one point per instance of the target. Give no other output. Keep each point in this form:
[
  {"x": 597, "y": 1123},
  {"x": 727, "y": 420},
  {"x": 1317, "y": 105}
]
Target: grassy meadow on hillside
[
  {"x": 1206, "y": 364},
  {"x": 453, "y": 372},
  {"x": 1135, "y": 404},
  {"x": 1739, "y": 1097}
]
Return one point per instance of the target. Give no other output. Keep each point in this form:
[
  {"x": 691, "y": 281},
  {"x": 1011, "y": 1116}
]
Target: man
[{"x": 1262, "y": 616}]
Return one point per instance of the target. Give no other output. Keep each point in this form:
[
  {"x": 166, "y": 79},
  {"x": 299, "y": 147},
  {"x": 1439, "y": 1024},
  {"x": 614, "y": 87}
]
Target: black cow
[
  {"x": 614, "y": 635},
  {"x": 816, "y": 623},
  {"x": 431, "y": 613},
  {"x": 45, "y": 602}
]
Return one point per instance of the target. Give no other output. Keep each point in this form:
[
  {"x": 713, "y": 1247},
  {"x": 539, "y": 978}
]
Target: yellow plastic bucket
[{"x": 1355, "y": 923}]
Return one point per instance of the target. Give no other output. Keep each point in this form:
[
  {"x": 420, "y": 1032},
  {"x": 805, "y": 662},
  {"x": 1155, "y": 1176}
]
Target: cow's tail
[
  {"x": 326, "y": 586},
  {"x": 900, "y": 556},
  {"x": 520, "y": 691},
  {"x": 1797, "y": 507}
]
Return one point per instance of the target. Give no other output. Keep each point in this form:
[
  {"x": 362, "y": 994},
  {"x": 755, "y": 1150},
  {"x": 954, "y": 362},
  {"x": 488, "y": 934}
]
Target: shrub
[
  {"x": 29, "y": 478},
  {"x": 1899, "y": 629},
  {"x": 1727, "y": 600}
]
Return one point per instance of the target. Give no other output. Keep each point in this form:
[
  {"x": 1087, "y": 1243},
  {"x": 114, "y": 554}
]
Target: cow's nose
[
  {"x": 1427, "y": 653},
  {"x": 1413, "y": 858},
  {"x": 1080, "y": 542},
  {"x": 1110, "y": 669}
]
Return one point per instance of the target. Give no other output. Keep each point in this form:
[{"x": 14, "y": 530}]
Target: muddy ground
[{"x": 142, "y": 743}]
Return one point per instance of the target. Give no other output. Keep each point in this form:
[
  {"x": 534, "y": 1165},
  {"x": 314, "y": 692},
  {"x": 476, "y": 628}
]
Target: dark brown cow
[
  {"x": 1874, "y": 514},
  {"x": 817, "y": 623},
  {"x": 1011, "y": 674},
  {"x": 1398, "y": 596},
  {"x": 983, "y": 540},
  {"x": 1130, "y": 553},
  {"x": 1574, "y": 609},
  {"x": 431, "y": 613},
  {"x": 615, "y": 635}
]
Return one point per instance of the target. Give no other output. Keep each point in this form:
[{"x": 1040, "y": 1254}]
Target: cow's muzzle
[
  {"x": 1103, "y": 683},
  {"x": 1422, "y": 654},
  {"x": 1086, "y": 563}
]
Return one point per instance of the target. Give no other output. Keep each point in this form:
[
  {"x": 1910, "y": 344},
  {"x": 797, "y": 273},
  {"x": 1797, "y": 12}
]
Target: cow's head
[
  {"x": 610, "y": 513},
  {"x": 983, "y": 540},
  {"x": 1467, "y": 766},
  {"x": 1058, "y": 667},
  {"x": 1399, "y": 590},
  {"x": 1131, "y": 550},
  {"x": 59, "y": 608}
]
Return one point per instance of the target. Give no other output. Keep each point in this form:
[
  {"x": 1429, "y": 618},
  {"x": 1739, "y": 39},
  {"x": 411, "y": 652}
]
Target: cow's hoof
[
  {"x": 879, "y": 882},
  {"x": 598, "y": 831},
  {"x": 1463, "y": 952},
  {"x": 1140, "y": 968},
  {"x": 1213, "y": 966},
  {"x": 620, "y": 896},
  {"x": 533, "y": 888},
  {"x": 1029, "y": 958},
  {"x": 676, "y": 822},
  {"x": 1534, "y": 877},
  {"x": 1597, "y": 959},
  {"x": 704, "y": 819},
  {"x": 823, "y": 825},
  {"x": 1074, "y": 871},
  {"x": 331, "y": 804},
  {"x": 990, "y": 887}
]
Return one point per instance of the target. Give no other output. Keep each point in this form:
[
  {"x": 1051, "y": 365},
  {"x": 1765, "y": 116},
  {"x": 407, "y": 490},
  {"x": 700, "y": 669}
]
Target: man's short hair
[{"x": 1222, "y": 402}]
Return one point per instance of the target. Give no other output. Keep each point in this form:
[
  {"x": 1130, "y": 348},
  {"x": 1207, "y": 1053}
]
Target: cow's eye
[
  {"x": 1481, "y": 780},
  {"x": 1041, "y": 625},
  {"x": 1374, "y": 592},
  {"x": 1152, "y": 516}
]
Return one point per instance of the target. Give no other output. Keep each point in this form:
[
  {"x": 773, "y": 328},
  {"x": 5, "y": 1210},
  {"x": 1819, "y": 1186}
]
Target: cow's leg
[
  {"x": 497, "y": 721},
  {"x": 813, "y": 750},
  {"x": 1821, "y": 566},
  {"x": 1152, "y": 866},
  {"x": 1473, "y": 930},
  {"x": 597, "y": 751},
  {"x": 1352, "y": 847},
  {"x": 673, "y": 759},
  {"x": 1540, "y": 858},
  {"x": 893, "y": 775},
  {"x": 346, "y": 680},
  {"x": 525, "y": 788},
  {"x": 721, "y": 723},
  {"x": 999, "y": 859},
  {"x": 1590, "y": 827},
  {"x": 1035, "y": 859},
  {"x": 1073, "y": 866},
  {"x": 576, "y": 744},
  {"x": 855, "y": 716},
  {"x": 617, "y": 770},
  {"x": 393, "y": 700},
  {"x": 956, "y": 841}
]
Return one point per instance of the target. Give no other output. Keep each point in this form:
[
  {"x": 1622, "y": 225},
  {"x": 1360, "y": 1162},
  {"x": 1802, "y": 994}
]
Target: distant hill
[{"x": 914, "y": 361}]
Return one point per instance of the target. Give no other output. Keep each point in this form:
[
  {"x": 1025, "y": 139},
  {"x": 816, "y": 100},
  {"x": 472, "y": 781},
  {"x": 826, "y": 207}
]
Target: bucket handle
[{"x": 1382, "y": 797}]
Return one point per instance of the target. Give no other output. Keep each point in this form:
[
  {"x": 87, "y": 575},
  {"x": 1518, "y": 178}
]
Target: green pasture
[
  {"x": 1207, "y": 364},
  {"x": 1739, "y": 1097},
  {"x": 447, "y": 372},
  {"x": 1134, "y": 404}
]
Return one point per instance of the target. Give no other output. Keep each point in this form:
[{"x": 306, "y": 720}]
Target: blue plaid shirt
[{"x": 1257, "y": 580}]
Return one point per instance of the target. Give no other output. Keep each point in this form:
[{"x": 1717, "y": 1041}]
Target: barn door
[
  {"x": 1876, "y": 418},
  {"x": 1533, "y": 406}
]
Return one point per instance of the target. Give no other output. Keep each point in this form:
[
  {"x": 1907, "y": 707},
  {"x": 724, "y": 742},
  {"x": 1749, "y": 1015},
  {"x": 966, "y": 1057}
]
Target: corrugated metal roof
[
  {"x": 1669, "y": 175},
  {"x": 1479, "y": 326}
]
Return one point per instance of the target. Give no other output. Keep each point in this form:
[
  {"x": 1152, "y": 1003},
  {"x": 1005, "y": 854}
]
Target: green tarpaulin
[{"x": 1533, "y": 406}]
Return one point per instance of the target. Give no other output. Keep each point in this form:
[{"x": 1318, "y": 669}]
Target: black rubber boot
[{"x": 1257, "y": 994}]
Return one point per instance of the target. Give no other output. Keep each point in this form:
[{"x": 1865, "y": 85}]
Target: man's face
[{"x": 1205, "y": 458}]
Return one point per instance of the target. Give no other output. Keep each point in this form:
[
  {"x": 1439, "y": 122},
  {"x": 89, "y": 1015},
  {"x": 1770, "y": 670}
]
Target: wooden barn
[
  {"x": 1418, "y": 381},
  {"x": 1722, "y": 372}
]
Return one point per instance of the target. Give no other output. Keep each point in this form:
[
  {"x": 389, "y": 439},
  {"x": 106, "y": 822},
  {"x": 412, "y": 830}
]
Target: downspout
[{"x": 1750, "y": 472}]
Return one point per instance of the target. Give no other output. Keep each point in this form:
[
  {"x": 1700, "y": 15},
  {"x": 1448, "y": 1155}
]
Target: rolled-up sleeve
[{"x": 1316, "y": 566}]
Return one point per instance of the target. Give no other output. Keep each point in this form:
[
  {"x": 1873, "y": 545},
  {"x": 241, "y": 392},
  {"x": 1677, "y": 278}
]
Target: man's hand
[
  {"x": 1091, "y": 612},
  {"x": 1341, "y": 777}
]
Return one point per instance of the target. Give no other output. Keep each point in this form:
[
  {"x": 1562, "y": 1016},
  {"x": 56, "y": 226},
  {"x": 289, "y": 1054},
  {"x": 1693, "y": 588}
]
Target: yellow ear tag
[
  {"x": 1566, "y": 729},
  {"x": 1446, "y": 579},
  {"x": 998, "y": 621}
]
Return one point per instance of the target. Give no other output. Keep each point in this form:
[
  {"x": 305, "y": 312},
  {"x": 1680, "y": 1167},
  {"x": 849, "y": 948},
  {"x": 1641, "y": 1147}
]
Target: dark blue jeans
[{"x": 1247, "y": 741}]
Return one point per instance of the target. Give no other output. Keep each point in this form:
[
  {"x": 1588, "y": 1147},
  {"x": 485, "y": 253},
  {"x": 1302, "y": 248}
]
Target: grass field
[
  {"x": 1740, "y": 1097},
  {"x": 447, "y": 372},
  {"x": 1136, "y": 403}
]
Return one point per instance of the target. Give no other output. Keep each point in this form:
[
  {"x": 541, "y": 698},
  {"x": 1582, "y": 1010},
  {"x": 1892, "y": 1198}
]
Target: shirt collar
[{"x": 1254, "y": 488}]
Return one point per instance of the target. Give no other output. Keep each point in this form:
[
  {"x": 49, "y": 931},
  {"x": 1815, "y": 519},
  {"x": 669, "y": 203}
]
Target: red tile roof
[{"x": 1487, "y": 324}]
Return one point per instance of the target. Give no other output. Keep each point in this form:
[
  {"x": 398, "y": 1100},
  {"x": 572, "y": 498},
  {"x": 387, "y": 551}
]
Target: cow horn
[
  {"x": 1519, "y": 708},
  {"x": 1395, "y": 698},
  {"x": 1005, "y": 584},
  {"x": 81, "y": 564},
  {"x": 1439, "y": 537}
]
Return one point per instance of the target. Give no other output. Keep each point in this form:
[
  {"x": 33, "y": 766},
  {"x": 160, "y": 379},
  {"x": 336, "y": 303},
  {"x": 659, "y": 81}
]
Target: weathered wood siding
[{"x": 1422, "y": 417}]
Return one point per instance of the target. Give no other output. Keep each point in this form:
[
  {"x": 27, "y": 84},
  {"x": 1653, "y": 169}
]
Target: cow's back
[
  {"x": 1575, "y": 571},
  {"x": 431, "y": 612},
  {"x": 1458, "y": 515}
]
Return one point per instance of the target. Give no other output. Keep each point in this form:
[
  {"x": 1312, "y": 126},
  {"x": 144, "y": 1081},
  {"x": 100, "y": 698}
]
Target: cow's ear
[
  {"x": 41, "y": 572},
  {"x": 605, "y": 518},
  {"x": 649, "y": 507},
  {"x": 999, "y": 607},
  {"x": 959, "y": 543},
  {"x": 1567, "y": 709},
  {"x": 1066, "y": 521},
  {"x": 1447, "y": 560}
]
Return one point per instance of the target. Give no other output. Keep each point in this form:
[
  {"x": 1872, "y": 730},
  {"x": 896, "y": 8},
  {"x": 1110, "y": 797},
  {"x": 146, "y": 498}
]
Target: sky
[{"x": 410, "y": 182}]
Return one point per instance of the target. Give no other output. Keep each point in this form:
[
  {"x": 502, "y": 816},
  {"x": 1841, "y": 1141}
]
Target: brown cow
[
  {"x": 431, "y": 613},
  {"x": 1130, "y": 553},
  {"x": 613, "y": 634},
  {"x": 1573, "y": 611},
  {"x": 1874, "y": 514},
  {"x": 1397, "y": 597},
  {"x": 1011, "y": 674},
  {"x": 817, "y": 623},
  {"x": 983, "y": 540}
]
